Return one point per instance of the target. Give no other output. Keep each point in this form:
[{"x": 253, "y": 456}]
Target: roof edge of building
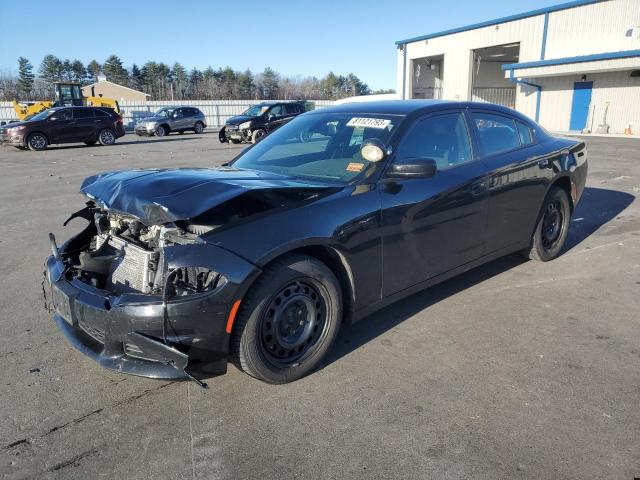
[
  {"x": 575, "y": 59},
  {"x": 117, "y": 84},
  {"x": 496, "y": 21}
]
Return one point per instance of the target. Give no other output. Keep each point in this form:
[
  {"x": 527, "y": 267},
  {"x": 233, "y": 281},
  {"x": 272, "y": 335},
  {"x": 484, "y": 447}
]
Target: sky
[{"x": 292, "y": 37}]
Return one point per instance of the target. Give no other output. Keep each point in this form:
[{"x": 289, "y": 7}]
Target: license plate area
[{"x": 62, "y": 305}]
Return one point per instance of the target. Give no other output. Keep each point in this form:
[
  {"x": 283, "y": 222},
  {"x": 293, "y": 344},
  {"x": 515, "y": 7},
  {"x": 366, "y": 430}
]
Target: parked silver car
[{"x": 172, "y": 119}]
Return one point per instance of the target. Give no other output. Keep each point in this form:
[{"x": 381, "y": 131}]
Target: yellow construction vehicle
[{"x": 67, "y": 94}]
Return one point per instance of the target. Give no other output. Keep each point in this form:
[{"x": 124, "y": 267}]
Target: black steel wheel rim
[
  {"x": 552, "y": 224},
  {"x": 293, "y": 322}
]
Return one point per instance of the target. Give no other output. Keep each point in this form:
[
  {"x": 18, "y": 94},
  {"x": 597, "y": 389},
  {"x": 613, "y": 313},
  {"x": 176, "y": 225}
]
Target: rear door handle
[{"x": 480, "y": 187}]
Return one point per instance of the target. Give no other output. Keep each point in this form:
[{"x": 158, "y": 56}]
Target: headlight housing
[
  {"x": 16, "y": 129},
  {"x": 245, "y": 125},
  {"x": 184, "y": 281},
  {"x": 150, "y": 124}
]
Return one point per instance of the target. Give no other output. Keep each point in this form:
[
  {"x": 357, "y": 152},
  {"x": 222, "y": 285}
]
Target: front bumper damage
[{"x": 148, "y": 335}]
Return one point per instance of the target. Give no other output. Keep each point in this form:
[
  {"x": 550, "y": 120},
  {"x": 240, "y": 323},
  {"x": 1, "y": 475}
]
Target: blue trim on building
[
  {"x": 545, "y": 29},
  {"x": 538, "y": 93},
  {"x": 404, "y": 72},
  {"x": 511, "y": 18},
  {"x": 578, "y": 59}
]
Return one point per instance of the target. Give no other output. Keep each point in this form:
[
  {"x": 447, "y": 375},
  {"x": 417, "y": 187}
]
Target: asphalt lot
[{"x": 514, "y": 370}]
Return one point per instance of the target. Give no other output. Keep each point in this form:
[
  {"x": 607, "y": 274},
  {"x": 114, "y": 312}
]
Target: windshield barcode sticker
[{"x": 379, "y": 123}]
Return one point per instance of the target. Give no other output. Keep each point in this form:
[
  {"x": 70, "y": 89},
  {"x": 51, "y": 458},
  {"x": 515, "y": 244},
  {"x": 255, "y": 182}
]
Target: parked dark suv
[
  {"x": 257, "y": 121},
  {"x": 64, "y": 125}
]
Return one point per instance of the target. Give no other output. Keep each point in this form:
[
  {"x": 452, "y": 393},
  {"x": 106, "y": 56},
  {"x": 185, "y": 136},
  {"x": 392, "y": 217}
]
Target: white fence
[{"x": 216, "y": 111}]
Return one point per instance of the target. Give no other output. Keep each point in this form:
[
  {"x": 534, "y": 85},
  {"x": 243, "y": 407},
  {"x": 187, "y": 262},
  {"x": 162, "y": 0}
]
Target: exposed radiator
[{"x": 131, "y": 271}]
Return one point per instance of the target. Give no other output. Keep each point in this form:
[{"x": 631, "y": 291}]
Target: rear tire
[
  {"x": 37, "y": 142},
  {"x": 106, "y": 137},
  {"x": 552, "y": 228},
  {"x": 198, "y": 128},
  {"x": 288, "y": 320}
]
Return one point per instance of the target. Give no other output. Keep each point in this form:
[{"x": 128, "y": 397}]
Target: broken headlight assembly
[{"x": 184, "y": 281}]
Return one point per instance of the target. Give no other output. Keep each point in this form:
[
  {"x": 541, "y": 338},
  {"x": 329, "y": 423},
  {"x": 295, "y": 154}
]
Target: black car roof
[{"x": 407, "y": 107}]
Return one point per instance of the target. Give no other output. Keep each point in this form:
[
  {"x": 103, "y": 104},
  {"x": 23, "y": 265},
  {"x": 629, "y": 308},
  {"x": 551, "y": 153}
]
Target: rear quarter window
[{"x": 525, "y": 133}]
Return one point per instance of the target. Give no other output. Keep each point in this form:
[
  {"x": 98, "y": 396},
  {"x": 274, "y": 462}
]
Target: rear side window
[
  {"x": 526, "y": 137},
  {"x": 496, "y": 133},
  {"x": 101, "y": 113},
  {"x": 443, "y": 138},
  {"x": 293, "y": 108},
  {"x": 80, "y": 113}
]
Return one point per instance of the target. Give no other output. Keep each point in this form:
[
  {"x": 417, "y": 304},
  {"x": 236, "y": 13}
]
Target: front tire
[
  {"x": 160, "y": 131},
  {"x": 258, "y": 135},
  {"x": 37, "y": 142},
  {"x": 288, "y": 321},
  {"x": 106, "y": 137},
  {"x": 553, "y": 226}
]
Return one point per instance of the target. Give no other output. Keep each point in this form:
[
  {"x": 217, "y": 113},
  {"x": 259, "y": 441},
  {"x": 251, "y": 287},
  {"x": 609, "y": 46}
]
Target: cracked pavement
[{"x": 514, "y": 370}]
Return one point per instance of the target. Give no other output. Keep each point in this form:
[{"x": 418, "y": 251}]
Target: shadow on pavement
[{"x": 597, "y": 207}]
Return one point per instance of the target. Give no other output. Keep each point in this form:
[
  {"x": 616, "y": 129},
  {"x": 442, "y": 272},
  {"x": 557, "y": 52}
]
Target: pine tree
[
  {"x": 115, "y": 71},
  {"x": 93, "y": 70},
  {"x": 51, "y": 68},
  {"x": 78, "y": 72},
  {"x": 136, "y": 79},
  {"x": 25, "y": 77},
  {"x": 269, "y": 83}
]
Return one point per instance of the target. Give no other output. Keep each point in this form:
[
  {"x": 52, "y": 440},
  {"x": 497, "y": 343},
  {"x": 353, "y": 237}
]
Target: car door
[
  {"x": 187, "y": 118},
  {"x": 433, "y": 225},
  {"x": 61, "y": 126},
  {"x": 275, "y": 117},
  {"x": 176, "y": 119},
  {"x": 516, "y": 179},
  {"x": 84, "y": 125}
]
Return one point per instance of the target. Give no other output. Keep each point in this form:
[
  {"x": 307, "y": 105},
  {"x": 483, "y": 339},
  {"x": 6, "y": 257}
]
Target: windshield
[
  {"x": 321, "y": 146},
  {"x": 256, "y": 110},
  {"x": 41, "y": 116},
  {"x": 164, "y": 112}
]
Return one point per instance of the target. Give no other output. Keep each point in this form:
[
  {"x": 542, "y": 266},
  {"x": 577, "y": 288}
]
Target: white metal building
[{"x": 572, "y": 67}]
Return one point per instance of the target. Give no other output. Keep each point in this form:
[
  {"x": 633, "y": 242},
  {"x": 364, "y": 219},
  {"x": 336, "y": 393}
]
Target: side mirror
[{"x": 414, "y": 168}]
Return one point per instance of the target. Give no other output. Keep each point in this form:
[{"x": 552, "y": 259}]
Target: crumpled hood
[
  {"x": 168, "y": 195},
  {"x": 237, "y": 120}
]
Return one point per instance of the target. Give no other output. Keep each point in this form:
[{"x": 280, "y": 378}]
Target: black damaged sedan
[{"x": 336, "y": 214}]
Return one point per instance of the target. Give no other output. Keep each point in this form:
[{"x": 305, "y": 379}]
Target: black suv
[
  {"x": 64, "y": 125},
  {"x": 260, "y": 119}
]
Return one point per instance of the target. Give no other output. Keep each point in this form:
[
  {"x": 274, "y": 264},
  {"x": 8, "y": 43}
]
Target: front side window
[
  {"x": 496, "y": 133},
  {"x": 63, "y": 114},
  {"x": 276, "y": 111},
  {"x": 443, "y": 138},
  {"x": 321, "y": 146}
]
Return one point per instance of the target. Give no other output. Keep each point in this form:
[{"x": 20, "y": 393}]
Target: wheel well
[
  {"x": 336, "y": 264},
  {"x": 565, "y": 184},
  {"x": 41, "y": 133}
]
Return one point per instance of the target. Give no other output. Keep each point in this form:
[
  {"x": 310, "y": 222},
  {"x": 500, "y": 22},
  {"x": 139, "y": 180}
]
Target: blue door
[{"x": 580, "y": 105}]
